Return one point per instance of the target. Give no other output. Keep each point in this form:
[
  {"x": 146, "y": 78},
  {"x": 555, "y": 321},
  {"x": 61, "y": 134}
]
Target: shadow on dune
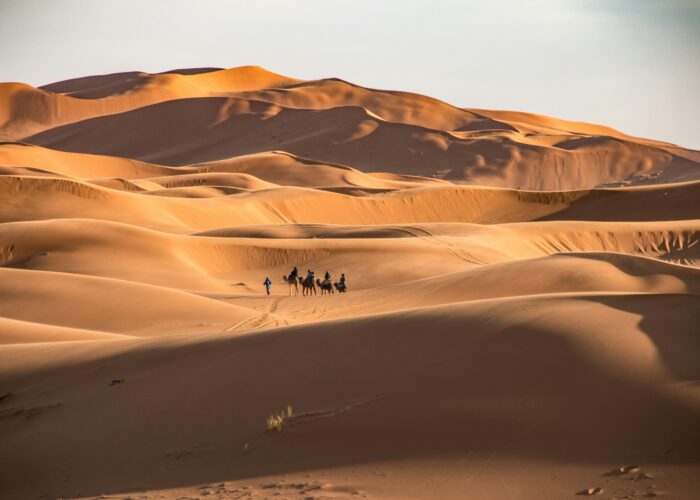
[
  {"x": 678, "y": 343},
  {"x": 190, "y": 71},
  {"x": 641, "y": 266},
  {"x": 525, "y": 377},
  {"x": 203, "y": 129},
  {"x": 679, "y": 202},
  {"x": 100, "y": 86}
]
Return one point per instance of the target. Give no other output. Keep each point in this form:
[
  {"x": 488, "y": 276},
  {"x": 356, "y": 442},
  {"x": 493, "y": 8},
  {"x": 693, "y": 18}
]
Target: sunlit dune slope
[{"x": 107, "y": 305}]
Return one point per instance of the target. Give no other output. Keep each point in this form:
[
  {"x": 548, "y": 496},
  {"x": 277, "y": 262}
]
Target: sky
[{"x": 630, "y": 64}]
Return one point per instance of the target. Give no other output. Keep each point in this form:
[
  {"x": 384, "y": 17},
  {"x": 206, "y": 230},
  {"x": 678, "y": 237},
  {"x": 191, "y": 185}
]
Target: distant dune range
[
  {"x": 180, "y": 119},
  {"x": 521, "y": 321}
]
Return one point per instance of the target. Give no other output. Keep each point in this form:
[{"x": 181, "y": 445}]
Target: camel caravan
[{"x": 310, "y": 282}]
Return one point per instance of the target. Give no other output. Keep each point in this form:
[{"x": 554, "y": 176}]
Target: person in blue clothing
[{"x": 267, "y": 284}]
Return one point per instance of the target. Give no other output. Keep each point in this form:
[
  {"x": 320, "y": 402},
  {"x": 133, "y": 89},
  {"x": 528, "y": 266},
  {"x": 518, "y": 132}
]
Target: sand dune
[
  {"x": 275, "y": 168},
  {"x": 77, "y": 165},
  {"x": 40, "y": 197},
  {"x": 108, "y": 305},
  {"x": 25, "y": 109},
  {"x": 25, "y": 332},
  {"x": 482, "y": 370},
  {"x": 369, "y": 129},
  {"x": 520, "y": 322},
  {"x": 218, "y": 128},
  {"x": 228, "y": 260}
]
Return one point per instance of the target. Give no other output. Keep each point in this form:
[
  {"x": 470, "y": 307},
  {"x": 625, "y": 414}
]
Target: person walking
[{"x": 267, "y": 284}]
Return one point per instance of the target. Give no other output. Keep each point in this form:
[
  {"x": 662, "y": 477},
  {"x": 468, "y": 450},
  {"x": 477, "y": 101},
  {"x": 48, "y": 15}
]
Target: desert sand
[{"x": 521, "y": 320}]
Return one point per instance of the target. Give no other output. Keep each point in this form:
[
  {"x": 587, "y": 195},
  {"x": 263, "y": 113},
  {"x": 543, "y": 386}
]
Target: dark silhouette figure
[
  {"x": 325, "y": 287},
  {"x": 307, "y": 284},
  {"x": 341, "y": 285}
]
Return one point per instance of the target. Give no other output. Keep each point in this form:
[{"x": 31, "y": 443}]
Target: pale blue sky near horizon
[{"x": 630, "y": 64}]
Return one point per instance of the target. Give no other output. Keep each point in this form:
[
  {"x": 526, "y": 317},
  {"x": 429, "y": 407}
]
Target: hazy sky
[{"x": 630, "y": 64}]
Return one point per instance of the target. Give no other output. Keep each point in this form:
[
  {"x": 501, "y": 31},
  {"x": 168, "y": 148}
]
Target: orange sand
[{"x": 521, "y": 321}]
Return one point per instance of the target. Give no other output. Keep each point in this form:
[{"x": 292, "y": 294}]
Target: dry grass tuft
[{"x": 276, "y": 421}]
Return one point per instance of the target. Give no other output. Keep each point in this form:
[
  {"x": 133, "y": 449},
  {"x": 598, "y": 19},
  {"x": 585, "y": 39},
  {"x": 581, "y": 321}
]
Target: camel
[
  {"x": 292, "y": 282},
  {"x": 325, "y": 286},
  {"x": 340, "y": 287},
  {"x": 307, "y": 286}
]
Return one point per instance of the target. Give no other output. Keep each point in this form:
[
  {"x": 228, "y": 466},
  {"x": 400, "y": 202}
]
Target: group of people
[{"x": 309, "y": 282}]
